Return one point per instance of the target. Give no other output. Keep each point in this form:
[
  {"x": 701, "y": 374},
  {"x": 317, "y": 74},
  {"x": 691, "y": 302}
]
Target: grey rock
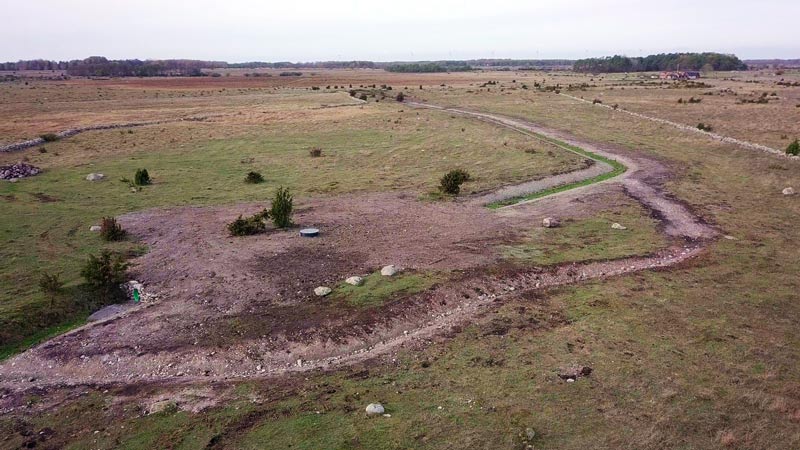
[
  {"x": 95, "y": 177},
  {"x": 374, "y": 409}
]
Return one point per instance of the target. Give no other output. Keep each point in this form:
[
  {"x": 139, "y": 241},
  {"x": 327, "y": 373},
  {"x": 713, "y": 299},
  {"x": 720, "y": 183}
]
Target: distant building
[{"x": 680, "y": 75}]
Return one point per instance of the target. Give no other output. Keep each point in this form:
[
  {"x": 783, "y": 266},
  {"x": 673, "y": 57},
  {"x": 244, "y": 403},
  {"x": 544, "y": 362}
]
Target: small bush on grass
[
  {"x": 793, "y": 148},
  {"x": 254, "y": 178},
  {"x": 315, "y": 152},
  {"x": 246, "y": 226},
  {"x": 703, "y": 127},
  {"x": 110, "y": 230},
  {"x": 451, "y": 181},
  {"x": 400, "y": 97},
  {"x": 105, "y": 274},
  {"x": 142, "y": 178},
  {"x": 50, "y": 284},
  {"x": 49, "y": 137},
  {"x": 597, "y": 101},
  {"x": 281, "y": 210}
]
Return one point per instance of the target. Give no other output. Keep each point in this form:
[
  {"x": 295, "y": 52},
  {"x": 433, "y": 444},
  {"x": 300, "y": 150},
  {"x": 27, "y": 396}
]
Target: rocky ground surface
[{"x": 18, "y": 170}]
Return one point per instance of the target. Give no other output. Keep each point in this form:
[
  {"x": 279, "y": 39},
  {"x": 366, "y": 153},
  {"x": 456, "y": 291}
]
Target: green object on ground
[{"x": 136, "y": 295}]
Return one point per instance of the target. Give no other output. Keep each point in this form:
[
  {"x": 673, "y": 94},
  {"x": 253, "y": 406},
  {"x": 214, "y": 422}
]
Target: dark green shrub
[
  {"x": 703, "y": 127},
  {"x": 363, "y": 97},
  {"x": 315, "y": 152},
  {"x": 400, "y": 97},
  {"x": 451, "y": 181},
  {"x": 42, "y": 150},
  {"x": 597, "y": 101},
  {"x": 50, "y": 137},
  {"x": 246, "y": 226},
  {"x": 110, "y": 230},
  {"x": 793, "y": 148},
  {"x": 50, "y": 284},
  {"x": 141, "y": 178},
  {"x": 280, "y": 211},
  {"x": 254, "y": 178},
  {"x": 105, "y": 274}
]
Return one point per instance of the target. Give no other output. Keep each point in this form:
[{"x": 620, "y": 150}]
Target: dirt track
[{"x": 236, "y": 308}]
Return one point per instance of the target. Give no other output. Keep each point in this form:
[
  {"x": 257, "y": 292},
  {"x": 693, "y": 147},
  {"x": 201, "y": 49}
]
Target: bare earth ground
[{"x": 230, "y": 306}]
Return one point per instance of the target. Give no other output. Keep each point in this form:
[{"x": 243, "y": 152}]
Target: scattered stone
[
  {"x": 730, "y": 238},
  {"x": 322, "y": 291},
  {"x": 95, "y": 228},
  {"x": 374, "y": 409},
  {"x": 789, "y": 191},
  {"x": 355, "y": 281},
  {"x": 95, "y": 177},
  {"x": 389, "y": 271},
  {"x": 617, "y": 226},
  {"x": 530, "y": 433},
  {"x": 572, "y": 374},
  {"x": 550, "y": 222},
  {"x": 19, "y": 170}
]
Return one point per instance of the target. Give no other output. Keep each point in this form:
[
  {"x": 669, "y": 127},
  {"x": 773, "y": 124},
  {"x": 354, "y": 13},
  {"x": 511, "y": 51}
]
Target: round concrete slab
[{"x": 309, "y": 232}]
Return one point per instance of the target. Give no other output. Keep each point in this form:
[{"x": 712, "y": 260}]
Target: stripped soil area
[{"x": 244, "y": 307}]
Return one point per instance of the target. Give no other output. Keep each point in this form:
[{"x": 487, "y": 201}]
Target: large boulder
[
  {"x": 374, "y": 409},
  {"x": 95, "y": 177},
  {"x": 788, "y": 191},
  {"x": 550, "y": 222},
  {"x": 389, "y": 271}
]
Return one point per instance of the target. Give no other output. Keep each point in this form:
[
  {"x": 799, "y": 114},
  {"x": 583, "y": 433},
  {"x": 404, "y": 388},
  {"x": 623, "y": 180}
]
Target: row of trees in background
[
  {"x": 663, "y": 61},
  {"x": 98, "y": 66},
  {"x": 429, "y": 67}
]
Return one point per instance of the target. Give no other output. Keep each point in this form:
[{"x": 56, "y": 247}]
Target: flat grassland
[{"x": 701, "y": 355}]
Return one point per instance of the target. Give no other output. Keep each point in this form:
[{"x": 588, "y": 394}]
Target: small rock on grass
[
  {"x": 355, "y": 281},
  {"x": 95, "y": 228},
  {"x": 95, "y": 177},
  {"x": 389, "y": 271},
  {"x": 322, "y": 291},
  {"x": 550, "y": 222},
  {"x": 374, "y": 409},
  {"x": 617, "y": 226},
  {"x": 788, "y": 191}
]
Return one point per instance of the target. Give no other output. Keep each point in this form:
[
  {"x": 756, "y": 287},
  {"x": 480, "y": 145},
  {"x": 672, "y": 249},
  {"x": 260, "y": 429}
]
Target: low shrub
[
  {"x": 793, "y": 148},
  {"x": 50, "y": 284},
  {"x": 315, "y": 152},
  {"x": 49, "y": 137},
  {"x": 141, "y": 178},
  {"x": 400, "y": 97},
  {"x": 451, "y": 182},
  {"x": 254, "y": 178},
  {"x": 703, "y": 127},
  {"x": 597, "y": 101},
  {"x": 105, "y": 274},
  {"x": 362, "y": 97},
  {"x": 281, "y": 210},
  {"x": 110, "y": 230},
  {"x": 246, "y": 226}
]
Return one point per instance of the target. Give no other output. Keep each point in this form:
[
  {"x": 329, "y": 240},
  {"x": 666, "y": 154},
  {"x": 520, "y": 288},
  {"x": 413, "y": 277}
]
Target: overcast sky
[{"x": 313, "y": 30}]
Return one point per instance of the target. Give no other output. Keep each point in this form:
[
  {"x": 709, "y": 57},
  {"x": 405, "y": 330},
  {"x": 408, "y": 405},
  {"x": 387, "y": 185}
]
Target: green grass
[
  {"x": 590, "y": 239},
  {"x": 377, "y": 288},
  {"x": 618, "y": 169}
]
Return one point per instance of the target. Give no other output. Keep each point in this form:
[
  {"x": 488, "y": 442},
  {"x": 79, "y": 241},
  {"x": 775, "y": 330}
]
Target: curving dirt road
[{"x": 241, "y": 308}]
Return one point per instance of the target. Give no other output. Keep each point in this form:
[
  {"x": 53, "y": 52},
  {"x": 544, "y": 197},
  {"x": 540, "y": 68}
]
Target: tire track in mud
[{"x": 426, "y": 314}]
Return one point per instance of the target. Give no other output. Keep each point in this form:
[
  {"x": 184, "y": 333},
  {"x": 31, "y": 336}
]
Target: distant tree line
[
  {"x": 303, "y": 65},
  {"x": 660, "y": 62},
  {"x": 429, "y": 67},
  {"x": 98, "y": 66}
]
